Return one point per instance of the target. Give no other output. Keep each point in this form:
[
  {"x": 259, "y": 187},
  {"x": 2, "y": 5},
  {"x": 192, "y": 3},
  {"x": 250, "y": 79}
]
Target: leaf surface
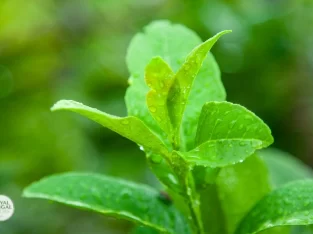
[
  {"x": 159, "y": 77},
  {"x": 183, "y": 81},
  {"x": 291, "y": 204},
  {"x": 129, "y": 127},
  {"x": 110, "y": 196},
  {"x": 227, "y": 134},
  {"x": 240, "y": 187}
]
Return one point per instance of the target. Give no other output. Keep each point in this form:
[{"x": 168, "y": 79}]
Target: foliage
[{"x": 192, "y": 138}]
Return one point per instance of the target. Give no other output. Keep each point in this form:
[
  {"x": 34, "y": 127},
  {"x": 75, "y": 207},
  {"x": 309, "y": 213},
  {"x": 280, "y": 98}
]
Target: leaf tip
[{"x": 62, "y": 104}]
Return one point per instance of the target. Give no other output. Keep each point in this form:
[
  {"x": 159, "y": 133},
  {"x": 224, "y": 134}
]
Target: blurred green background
[{"x": 75, "y": 49}]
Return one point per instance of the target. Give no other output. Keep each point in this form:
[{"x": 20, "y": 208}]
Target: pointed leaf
[
  {"x": 206, "y": 87},
  {"x": 183, "y": 81},
  {"x": 173, "y": 43},
  {"x": 129, "y": 127},
  {"x": 159, "y": 78},
  {"x": 240, "y": 187},
  {"x": 291, "y": 204},
  {"x": 284, "y": 168},
  {"x": 110, "y": 196},
  {"x": 227, "y": 134}
]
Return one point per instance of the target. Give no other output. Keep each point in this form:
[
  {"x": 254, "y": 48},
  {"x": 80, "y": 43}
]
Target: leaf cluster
[{"x": 202, "y": 148}]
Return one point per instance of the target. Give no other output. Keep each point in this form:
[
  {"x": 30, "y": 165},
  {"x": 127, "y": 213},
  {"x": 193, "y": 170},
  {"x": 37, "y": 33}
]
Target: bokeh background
[{"x": 75, "y": 49}]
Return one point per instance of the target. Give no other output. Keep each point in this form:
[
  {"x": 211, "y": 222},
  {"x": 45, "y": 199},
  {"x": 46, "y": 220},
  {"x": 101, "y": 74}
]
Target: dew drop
[
  {"x": 232, "y": 124},
  {"x": 172, "y": 178},
  {"x": 125, "y": 121},
  {"x": 189, "y": 192},
  {"x": 152, "y": 109},
  {"x": 242, "y": 143},
  {"x": 126, "y": 194},
  {"x": 187, "y": 67},
  {"x": 247, "y": 117},
  {"x": 156, "y": 159}
]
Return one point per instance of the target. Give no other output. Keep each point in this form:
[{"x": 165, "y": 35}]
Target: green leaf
[
  {"x": 227, "y": 134},
  {"x": 160, "y": 38},
  {"x": 110, "y": 196},
  {"x": 291, "y": 204},
  {"x": 212, "y": 213},
  {"x": 183, "y": 81},
  {"x": 143, "y": 230},
  {"x": 240, "y": 187},
  {"x": 284, "y": 168},
  {"x": 129, "y": 127},
  {"x": 159, "y": 78},
  {"x": 206, "y": 87},
  {"x": 173, "y": 43}
]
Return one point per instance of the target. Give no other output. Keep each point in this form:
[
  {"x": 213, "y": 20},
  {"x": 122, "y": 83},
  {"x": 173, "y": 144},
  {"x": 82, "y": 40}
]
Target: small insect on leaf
[{"x": 165, "y": 198}]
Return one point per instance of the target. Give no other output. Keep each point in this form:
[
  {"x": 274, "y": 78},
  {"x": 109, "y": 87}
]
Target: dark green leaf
[
  {"x": 110, "y": 196},
  {"x": 291, "y": 204},
  {"x": 129, "y": 127},
  {"x": 212, "y": 213},
  {"x": 240, "y": 187},
  {"x": 227, "y": 134}
]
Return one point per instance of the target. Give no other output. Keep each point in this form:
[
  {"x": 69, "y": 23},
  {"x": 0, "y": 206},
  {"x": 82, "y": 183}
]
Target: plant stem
[
  {"x": 194, "y": 205},
  {"x": 181, "y": 168}
]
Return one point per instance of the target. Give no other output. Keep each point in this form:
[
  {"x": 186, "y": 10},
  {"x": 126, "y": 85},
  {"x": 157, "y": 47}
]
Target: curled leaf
[{"x": 227, "y": 134}]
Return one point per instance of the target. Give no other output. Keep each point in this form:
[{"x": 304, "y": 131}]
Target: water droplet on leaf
[
  {"x": 152, "y": 109},
  {"x": 125, "y": 121},
  {"x": 156, "y": 158}
]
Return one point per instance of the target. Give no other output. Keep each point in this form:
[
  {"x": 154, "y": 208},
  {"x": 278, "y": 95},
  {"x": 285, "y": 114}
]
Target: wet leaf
[
  {"x": 129, "y": 127},
  {"x": 171, "y": 42},
  {"x": 159, "y": 78},
  {"x": 240, "y": 187},
  {"x": 284, "y": 168},
  {"x": 291, "y": 204},
  {"x": 112, "y": 197},
  {"x": 227, "y": 134},
  {"x": 183, "y": 81}
]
